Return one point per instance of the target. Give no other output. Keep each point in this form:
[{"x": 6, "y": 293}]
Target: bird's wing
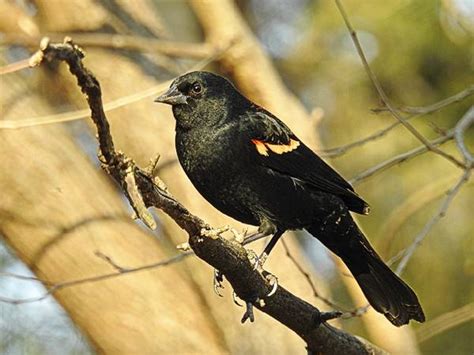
[{"x": 277, "y": 148}]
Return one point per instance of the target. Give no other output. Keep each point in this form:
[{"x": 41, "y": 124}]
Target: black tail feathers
[
  {"x": 387, "y": 293},
  {"x": 384, "y": 290}
]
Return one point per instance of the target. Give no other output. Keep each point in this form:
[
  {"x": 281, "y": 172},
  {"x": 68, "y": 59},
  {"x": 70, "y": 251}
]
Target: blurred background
[{"x": 421, "y": 51}]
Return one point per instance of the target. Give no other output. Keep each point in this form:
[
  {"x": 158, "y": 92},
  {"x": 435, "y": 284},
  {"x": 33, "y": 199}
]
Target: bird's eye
[{"x": 196, "y": 89}]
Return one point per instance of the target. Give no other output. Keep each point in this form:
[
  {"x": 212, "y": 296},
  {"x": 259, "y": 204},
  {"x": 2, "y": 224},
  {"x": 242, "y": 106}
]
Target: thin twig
[
  {"x": 14, "y": 67},
  {"x": 408, "y": 253},
  {"x": 464, "y": 123},
  {"x": 109, "y": 106},
  {"x": 410, "y": 206},
  {"x": 54, "y": 287},
  {"x": 415, "y": 112},
  {"x": 338, "y": 151},
  {"x": 118, "y": 41},
  {"x": 399, "y": 159},
  {"x": 347, "y": 313},
  {"x": 458, "y": 132},
  {"x": 307, "y": 276},
  {"x": 445, "y": 322},
  {"x": 384, "y": 98},
  {"x": 24, "y": 277},
  {"x": 424, "y": 110}
]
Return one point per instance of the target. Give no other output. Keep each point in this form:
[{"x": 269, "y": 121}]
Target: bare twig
[
  {"x": 458, "y": 132},
  {"x": 13, "y": 67},
  {"x": 310, "y": 281},
  {"x": 119, "y": 41},
  {"x": 445, "y": 322},
  {"x": 414, "y": 111},
  {"x": 384, "y": 97},
  {"x": 424, "y": 110},
  {"x": 464, "y": 123},
  {"x": 400, "y": 158},
  {"x": 121, "y": 270},
  {"x": 346, "y": 313},
  {"x": 408, "y": 253},
  {"x": 137, "y": 200},
  {"x": 338, "y": 151},
  {"x": 23, "y": 277},
  {"x": 54, "y": 287},
  {"x": 410, "y": 206},
  {"x": 109, "y": 106}
]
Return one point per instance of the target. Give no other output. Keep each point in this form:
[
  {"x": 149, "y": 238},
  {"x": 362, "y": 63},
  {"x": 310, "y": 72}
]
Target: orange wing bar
[{"x": 262, "y": 147}]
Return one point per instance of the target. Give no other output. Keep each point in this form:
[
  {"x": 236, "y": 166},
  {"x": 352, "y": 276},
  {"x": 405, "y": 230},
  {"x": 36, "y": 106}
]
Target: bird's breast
[{"x": 207, "y": 157}]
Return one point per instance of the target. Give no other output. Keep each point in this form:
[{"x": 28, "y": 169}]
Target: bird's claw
[
  {"x": 218, "y": 280},
  {"x": 234, "y": 298},
  {"x": 272, "y": 281}
]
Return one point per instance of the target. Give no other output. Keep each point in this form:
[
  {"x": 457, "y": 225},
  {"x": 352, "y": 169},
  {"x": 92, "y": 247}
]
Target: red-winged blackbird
[{"x": 249, "y": 165}]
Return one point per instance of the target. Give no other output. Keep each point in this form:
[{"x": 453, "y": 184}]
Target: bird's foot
[
  {"x": 218, "y": 280},
  {"x": 259, "y": 261},
  {"x": 238, "y": 237},
  {"x": 234, "y": 298},
  {"x": 214, "y": 233}
]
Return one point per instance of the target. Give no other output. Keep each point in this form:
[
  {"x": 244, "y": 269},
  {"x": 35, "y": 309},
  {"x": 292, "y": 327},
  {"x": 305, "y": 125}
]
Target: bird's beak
[{"x": 172, "y": 97}]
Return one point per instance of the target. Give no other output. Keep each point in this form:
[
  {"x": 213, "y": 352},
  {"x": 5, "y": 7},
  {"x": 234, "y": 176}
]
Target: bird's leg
[
  {"x": 272, "y": 279},
  {"x": 218, "y": 279},
  {"x": 266, "y": 228},
  {"x": 268, "y": 248},
  {"x": 254, "y": 236}
]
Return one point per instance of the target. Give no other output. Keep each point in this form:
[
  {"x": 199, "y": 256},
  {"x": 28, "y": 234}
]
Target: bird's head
[{"x": 201, "y": 99}]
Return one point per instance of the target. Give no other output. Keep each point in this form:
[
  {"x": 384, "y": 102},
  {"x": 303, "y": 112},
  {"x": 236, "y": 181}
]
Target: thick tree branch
[{"x": 227, "y": 256}]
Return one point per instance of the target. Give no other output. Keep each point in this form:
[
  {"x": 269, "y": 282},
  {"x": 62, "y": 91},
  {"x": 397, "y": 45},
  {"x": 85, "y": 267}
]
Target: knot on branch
[{"x": 319, "y": 318}]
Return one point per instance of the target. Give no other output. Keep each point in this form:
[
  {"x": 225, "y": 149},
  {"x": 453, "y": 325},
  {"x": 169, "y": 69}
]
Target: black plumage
[{"x": 249, "y": 165}]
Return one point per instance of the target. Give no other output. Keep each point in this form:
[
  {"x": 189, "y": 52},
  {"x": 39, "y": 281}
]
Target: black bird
[{"x": 250, "y": 166}]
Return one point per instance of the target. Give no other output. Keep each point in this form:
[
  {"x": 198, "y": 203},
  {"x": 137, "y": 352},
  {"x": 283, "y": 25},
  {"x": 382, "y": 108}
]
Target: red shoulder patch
[{"x": 263, "y": 147}]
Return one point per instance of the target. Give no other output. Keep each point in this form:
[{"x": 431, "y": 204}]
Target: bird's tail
[{"x": 384, "y": 290}]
